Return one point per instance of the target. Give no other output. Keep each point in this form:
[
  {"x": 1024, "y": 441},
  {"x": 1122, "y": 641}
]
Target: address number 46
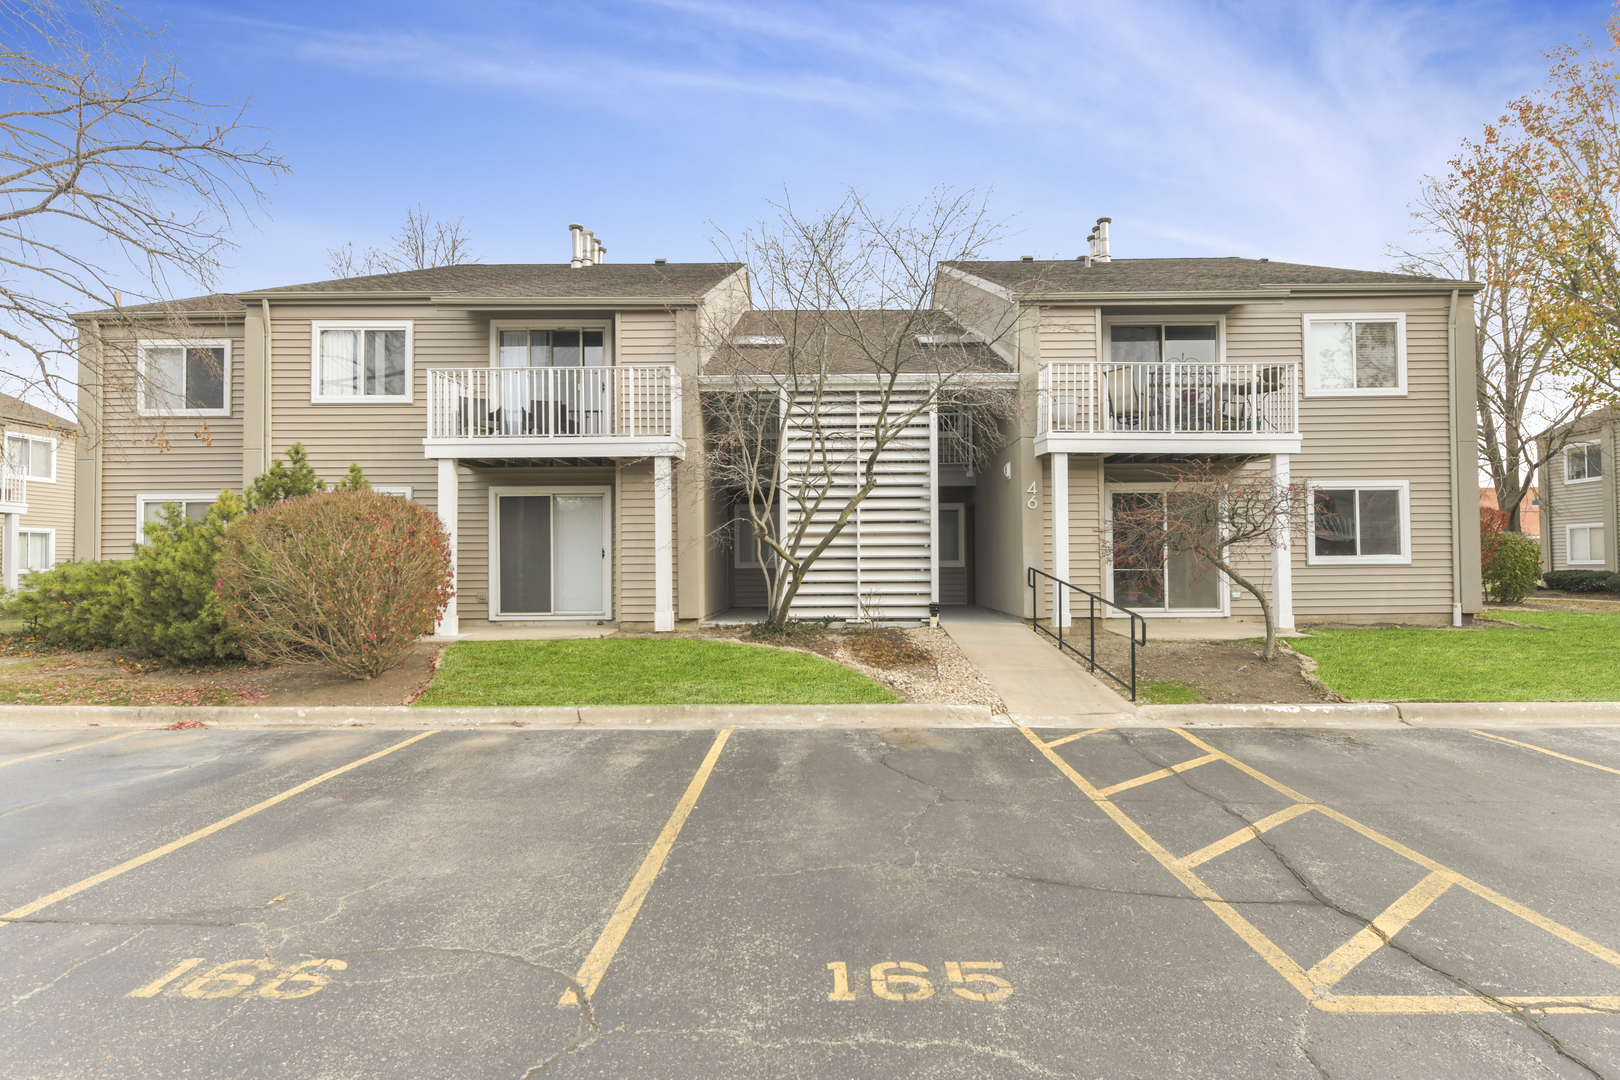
[{"x": 901, "y": 980}]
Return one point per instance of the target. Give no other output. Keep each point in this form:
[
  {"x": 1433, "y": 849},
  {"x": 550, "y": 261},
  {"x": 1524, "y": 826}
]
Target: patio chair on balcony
[{"x": 1122, "y": 399}]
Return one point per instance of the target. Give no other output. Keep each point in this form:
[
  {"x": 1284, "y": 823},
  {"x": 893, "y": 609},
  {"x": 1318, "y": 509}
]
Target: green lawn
[
  {"x": 1167, "y": 692},
  {"x": 1577, "y": 659},
  {"x": 642, "y": 671}
]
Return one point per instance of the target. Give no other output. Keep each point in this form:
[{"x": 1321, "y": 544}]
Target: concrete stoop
[{"x": 689, "y": 717}]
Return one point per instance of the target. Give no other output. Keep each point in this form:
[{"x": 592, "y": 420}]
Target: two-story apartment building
[
  {"x": 36, "y": 490},
  {"x": 1580, "y": 497},
  {"x": 550, "y": 413}
]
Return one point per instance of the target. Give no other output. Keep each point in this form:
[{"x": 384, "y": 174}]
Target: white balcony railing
[
  {"x": 1169, "y": 399},
  {"x": 13, "y": 487},
  {"x": 627, "y": 402}
]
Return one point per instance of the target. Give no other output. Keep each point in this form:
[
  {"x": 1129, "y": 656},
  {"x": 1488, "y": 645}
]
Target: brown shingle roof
[
  {"x": 609, "y": 281},
  {"x": 212, "y": 303},
  {"x": 882, "y": 328},
  {"x": 1173, "y": 275},
  {"x": 19, "y": 411}
]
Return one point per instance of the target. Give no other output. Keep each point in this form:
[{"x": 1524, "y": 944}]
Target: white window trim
[
  {"x": 141, "y": 405},
  {"x": 1397, "y": 317},
  {"x": 402, "y": 490},
  {"x": 50, "y": 559},
  {"x": 1585, "y": 479},
  {"x": 44, "y": 439},
  {"x": 961, "y": 535},
  {"x": 737, "y": 555},
  {"x": 315, "y": 395},
  {"x": 1403, "y": 559},
  {"x": 1601, "y": 560},
  {"x": 1110, "y": 321},
  {"x": 495, "y": 552},
  {"x": 605, "y": 325},
  {"x": 141, "y": 502},
  {"x": 1223, "y": 586}
]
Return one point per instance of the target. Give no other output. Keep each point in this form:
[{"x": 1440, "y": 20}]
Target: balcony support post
[
  {"x": 9, "y": 555},
  {"x": 1282, "y": 557},
  {"x": 447, "y": 506},
  {"x": 663, "y": 546},
  {"x": 1060, "y": 534}
]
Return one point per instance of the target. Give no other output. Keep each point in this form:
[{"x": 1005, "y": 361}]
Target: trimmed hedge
[
  {"x": 1582, "y": 581},
  {"x": 1514, "y": 569}
]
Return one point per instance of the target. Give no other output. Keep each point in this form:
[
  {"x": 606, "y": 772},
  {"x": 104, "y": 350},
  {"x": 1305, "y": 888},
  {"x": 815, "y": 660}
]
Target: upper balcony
[
  {"x": 551, "y": 412},
  {"x": 1168, "y": 408},
  {"x": 13, "y": 487}
]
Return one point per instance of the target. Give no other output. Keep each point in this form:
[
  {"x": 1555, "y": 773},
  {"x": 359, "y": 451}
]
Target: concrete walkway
[{"x": 1039, "y": 684}]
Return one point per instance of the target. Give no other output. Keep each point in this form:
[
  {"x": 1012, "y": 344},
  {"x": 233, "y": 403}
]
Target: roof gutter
[{"x": 1456, "y": 475}]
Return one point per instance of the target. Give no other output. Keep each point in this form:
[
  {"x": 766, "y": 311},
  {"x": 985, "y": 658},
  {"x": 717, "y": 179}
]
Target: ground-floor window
[
  {"x": 1585, "y": 544},
  {"x": 36, "y": 549},
  {"x": 950, "y": 534},
  {"x": 549, "y": 554},
  {"x": 1182, "y": 582},
  {"x": 149, "y": 508},
  {"x": 1360, "y": 523}
]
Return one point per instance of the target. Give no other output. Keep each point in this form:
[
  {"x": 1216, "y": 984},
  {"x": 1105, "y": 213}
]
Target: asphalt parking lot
[{"x": 954, "y": 903}]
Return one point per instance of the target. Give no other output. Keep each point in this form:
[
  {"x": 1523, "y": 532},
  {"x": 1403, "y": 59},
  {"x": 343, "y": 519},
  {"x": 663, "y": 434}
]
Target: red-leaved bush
[
  {"x": 349, "y": 578},
  {"x": 1492, "y": 526}
]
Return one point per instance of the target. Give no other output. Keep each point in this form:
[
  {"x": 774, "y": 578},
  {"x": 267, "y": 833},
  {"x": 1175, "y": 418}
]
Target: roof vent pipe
[
  {"x": 1099, "y": 244},
  {"x": 577, "y": 234}
]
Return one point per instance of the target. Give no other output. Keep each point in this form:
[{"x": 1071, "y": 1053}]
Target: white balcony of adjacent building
[
  {"x": 554, "y": 412},
  {"x": 1168, "y": 408}
]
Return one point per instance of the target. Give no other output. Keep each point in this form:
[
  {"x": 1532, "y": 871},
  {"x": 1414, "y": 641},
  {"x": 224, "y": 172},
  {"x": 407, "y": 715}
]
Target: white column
[
  {"x": 10, "y": 554},
  {"x": 1282, "y": 557},
  {"x": 1060, "y": 535},
  {"x": 663, "y": 546},
  {"x": 449, "y": 513}
]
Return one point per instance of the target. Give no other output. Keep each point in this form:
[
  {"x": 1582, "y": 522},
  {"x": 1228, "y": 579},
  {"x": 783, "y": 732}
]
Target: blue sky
[{"x": 1295, "y": 131}]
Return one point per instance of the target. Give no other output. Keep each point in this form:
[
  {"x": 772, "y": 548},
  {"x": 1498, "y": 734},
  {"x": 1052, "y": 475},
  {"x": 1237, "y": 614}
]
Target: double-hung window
[
  {"x": 1584, "y": 544},
  {"x": 33, "y": 456},
  {"x": 36, "y": 548},
  {"x": 1360, "y": 523},
  {"x": 368, "y": 362},
  {"x": 184, "y": 378},
  {"x": 1355, "y": 355},
  {"x": 1583, "y": 462}
]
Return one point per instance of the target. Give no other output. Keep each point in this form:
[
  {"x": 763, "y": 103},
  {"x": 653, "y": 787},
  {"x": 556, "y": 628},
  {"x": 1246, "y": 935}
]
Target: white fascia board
[
  {"x": 553, "y": 448},
  {"x": 1154, "y": 443}
]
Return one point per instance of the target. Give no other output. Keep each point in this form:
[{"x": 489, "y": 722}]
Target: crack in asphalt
[{"x": 1312, "y": 889}]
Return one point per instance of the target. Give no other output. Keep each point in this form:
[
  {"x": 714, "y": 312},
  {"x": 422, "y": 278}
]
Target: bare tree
[
  {"x": 810, "y": 402},
  {"x": 117, "y": 184},
  {"x": 420, "y": 244},
  {"x": 1485, "y": 221},
  {"x": 1212, "y": 517}
]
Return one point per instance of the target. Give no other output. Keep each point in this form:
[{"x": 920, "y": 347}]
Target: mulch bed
[
  {"x": 1223, "y": 672},
  {"x": 32, "y": 674}
]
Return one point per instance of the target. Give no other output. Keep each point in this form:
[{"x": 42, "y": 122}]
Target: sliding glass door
[
  {"x": 551, "y": 553},
  {"x": 1182, "y": 583}
]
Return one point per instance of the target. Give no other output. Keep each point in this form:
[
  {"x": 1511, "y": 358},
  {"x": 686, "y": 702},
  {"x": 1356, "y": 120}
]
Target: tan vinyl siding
[
  {"x": 50, "y": 505},
  {"x": 1068, "y": 335},
  {"x": 1085, "y": 528},
  {"x": 646, "y": 337},
  {"x": 1350, "y": 439},
  {"x": 633, "y": 543},
  {"x": 151, "y": 456}
]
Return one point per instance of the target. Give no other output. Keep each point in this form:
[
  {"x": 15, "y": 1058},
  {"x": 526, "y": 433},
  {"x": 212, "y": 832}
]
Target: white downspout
[{"x": 1456, "y": 474}]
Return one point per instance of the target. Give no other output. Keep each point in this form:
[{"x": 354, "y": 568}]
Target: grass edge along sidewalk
[
  {"x": 1551, "y": 656},
  {"x": 642, "y": 671}
]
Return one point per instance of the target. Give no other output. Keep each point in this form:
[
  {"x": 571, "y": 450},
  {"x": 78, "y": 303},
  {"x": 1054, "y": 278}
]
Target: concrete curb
[
  {"x": 50, "y": 717},
  {"x": 1370, "y": 714}
]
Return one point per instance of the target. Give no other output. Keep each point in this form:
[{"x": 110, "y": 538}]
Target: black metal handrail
[{"x": 1060, "y": 620}]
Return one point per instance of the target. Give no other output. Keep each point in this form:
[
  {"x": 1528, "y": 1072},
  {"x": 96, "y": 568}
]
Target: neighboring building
[
  {"x": 545, "y": 412},
  {"x": 1529, "y": 509},
  {"x": 36, "y": 489},
  {"x": 1579, "y": 530}
]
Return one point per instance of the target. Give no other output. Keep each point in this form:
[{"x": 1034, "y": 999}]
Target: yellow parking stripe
[
  {"x": 191, "y": 838},
  {"x": 601, "y": 955},
  {"x": 1245, "y": 834},
  {"x": 1372, "y": 937},
  {"x": 1076, "y": 735},
  {"x": 70, "y": 749},
  {"x": 1160, "y": 774},
  {"x": 1316, "y": 984},
  {"x": 1539, "y": 750}
]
